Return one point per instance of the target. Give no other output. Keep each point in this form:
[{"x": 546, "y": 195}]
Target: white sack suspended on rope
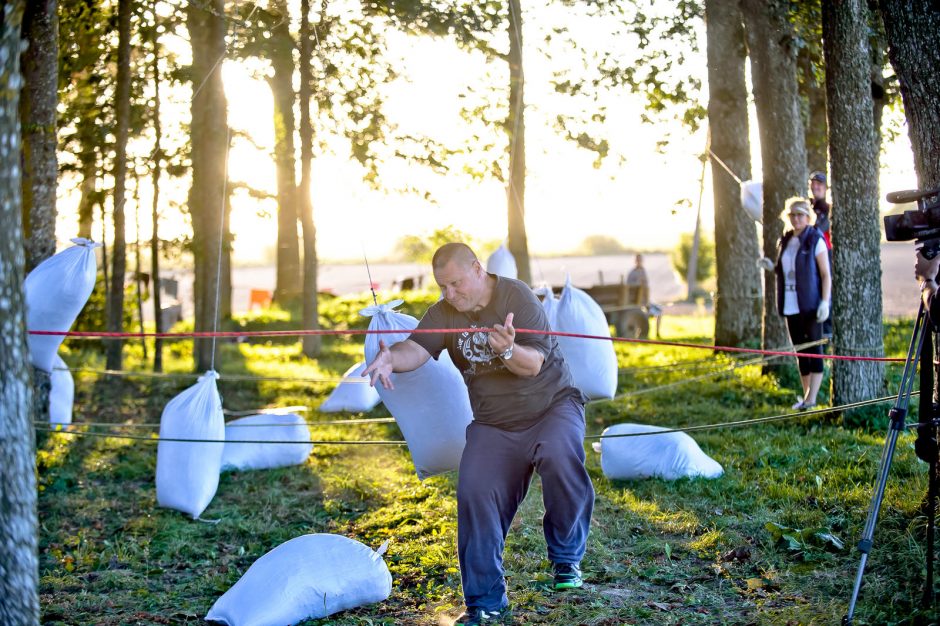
[
  {"x": 549, "y": 303},
  {"x": 308, "y": 577},
  {"x": 430, "y": 404},
  {"x": 353, "y": 394},
  {"x": 188, "y": 472},
  {"x": 502, "y": 262},
  {"x": 266, "y": 427},
  {"x": 593, "y": 362},
  {"x": 752, "y": 198},
  {"x": 56, "y": 291},
  {"x": 669, "y": 456},
  {"x": 62, "y": 393}
]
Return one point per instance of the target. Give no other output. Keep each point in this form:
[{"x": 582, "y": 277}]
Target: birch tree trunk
[{"x": 515, "y": 128}]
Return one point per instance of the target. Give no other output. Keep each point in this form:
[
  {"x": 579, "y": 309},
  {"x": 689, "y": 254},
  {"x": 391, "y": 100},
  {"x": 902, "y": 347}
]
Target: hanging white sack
[
  {"x": 353, "y": 394},
  {"x": 549, "y": 303},
  {"x": 62, "y": 393},
  {"x": 188, "y": 472},
  {"x": 752, "y": 199},
  {"x": 430, "y": 404},
  {"x": 56, "y": 291},
  {"x": 593, "y": 362},
  {"x": 266, "y": 427},
  {"x": 669, "y": 456},
  {"x": 502, "y": 262},
  {"x": 308, "y": 577}
]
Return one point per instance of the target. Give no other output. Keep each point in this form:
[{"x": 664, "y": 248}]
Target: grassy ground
[{"x": 684, "y": 552}]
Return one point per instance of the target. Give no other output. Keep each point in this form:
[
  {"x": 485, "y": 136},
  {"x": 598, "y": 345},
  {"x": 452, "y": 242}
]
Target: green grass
[{"x": 683, "y": 552}]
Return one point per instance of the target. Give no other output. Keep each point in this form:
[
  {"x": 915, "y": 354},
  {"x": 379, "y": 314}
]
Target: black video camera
[{"x": 922, "y": 225}]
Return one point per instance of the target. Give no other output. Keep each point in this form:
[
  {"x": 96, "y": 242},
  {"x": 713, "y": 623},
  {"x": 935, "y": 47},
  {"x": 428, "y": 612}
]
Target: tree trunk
[
  {"x": 877, "y": 45},
  {"x": 856, "y": 234},
  {"x": 738, "y": 308},
  {"x": 89, "y": 190},
  {"x": 209, "y": 134},
  {"x": 281, "y": 50},
  {"x": 311, "y": 321},
  {"x": 911, "y": 27},
  {"x": 115, "y": 316},
  {"x": 19, "y": 557},
  {"x": 816, "y": 132},
  {"x": 515, "y": 129},
  {"x": 157, "y": 169},
  {"x": 40, "y": 65},
  {"x": 776, "y": 96}
]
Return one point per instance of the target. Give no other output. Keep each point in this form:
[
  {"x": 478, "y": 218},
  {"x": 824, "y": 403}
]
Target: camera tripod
[{"x": 897, "y": 415}]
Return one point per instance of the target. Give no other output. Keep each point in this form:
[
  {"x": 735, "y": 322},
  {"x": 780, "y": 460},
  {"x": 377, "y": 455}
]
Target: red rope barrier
[{"x": 356, "y": 331}]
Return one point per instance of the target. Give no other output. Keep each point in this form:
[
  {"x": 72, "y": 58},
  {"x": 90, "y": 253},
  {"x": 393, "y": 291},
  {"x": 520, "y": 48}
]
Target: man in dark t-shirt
[{"x": 528, "y": 416}]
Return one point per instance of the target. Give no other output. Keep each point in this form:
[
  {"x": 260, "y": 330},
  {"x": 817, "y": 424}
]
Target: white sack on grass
[
  {"x": 188, "y": 472},
  {"x": 752, "y": 199},
  {"x": 502, "y": 262},
  {"x": 266, "y": 427},
  {"x": 430, "y": 404},
  {"x": 353, "y": 394},
  {"x": 308, "y": 577},
  {"x": 593, "y": 362},
  {"x": 62, "y": 393},
  {"x": 56, "y": 291},
  {"x": 669, "y": 456}
]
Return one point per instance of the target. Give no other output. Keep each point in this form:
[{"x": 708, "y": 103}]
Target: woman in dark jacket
[{"x": 804, "y": 287}]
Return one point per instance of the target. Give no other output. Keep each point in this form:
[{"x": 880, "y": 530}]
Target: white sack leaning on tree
[
  {"x": 502, "y": 262},
  {"x": 266, "y": 427},
  {"x": 353, "y": 394},
  {"x": 430, "y": 404},
  {"x": 56, "y": 292},
  {"x": 669, "y": 456},
  {"x": 593, "y": 362},
  {"x": 188, "y": 472},
  {"x": 308, "y": 577},
  {"x": 752, "y": 199},
  {"x": 62, "y": 393}
]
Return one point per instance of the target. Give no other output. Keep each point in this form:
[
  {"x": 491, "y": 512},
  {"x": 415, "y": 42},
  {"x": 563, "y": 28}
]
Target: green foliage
[
  {"x": 420, "y": 248},
  {"x": 706, "y": 257},
  {"x": 600, "y": 244}
]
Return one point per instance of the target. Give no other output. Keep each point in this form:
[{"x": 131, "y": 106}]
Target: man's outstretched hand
[
  {"x": 381, "y": 367},
  {"x": 503, "y": 336}
]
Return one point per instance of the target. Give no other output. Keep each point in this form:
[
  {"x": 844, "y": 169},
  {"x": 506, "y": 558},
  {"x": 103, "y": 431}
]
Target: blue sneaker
[
  {"x": 476, "y": 616},
  {"x": 567, "y": 576}
]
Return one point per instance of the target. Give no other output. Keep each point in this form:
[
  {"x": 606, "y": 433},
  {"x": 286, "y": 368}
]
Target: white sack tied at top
[
  {"x": 61, "y": 393},
  {"x": 502, "y": 262},
  {"x": 430, "y": 404},
  {"x": 752, "y": 199},
  {"x": 274, "y": 427},
  {"x": 593, "y": 362},
  {"x": 669, "y": 456},
  {"x": 308, "y": 577},
  {"x": 56, "y": 292},
  {"x": 353, "y": 394},
  {"x": 188, "y": 472},
  {"x": 549, "y": 303}
]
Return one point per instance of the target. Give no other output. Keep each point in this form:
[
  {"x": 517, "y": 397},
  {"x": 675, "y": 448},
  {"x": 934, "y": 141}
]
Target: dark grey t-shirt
[{"x": 497, "y": 396}]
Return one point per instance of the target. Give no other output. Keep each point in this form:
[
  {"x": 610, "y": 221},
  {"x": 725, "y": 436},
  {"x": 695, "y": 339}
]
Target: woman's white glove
[{"x": 822, "y": 313}]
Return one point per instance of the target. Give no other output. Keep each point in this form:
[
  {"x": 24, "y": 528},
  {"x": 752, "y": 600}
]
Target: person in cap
[
  {"x": 818, "y": 186},
  {"x": 804, "y": 287},
  {"x": 528, "y": 416}
]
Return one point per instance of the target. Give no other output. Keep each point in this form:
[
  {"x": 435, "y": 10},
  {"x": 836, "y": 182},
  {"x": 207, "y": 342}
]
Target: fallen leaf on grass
[{"x": 741, "y": 553}]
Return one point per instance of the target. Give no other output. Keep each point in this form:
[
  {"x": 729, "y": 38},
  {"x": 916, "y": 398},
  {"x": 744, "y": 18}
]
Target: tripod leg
[
  {"x": 927, "y": 600},
  {"x": 897, "y": 414}
]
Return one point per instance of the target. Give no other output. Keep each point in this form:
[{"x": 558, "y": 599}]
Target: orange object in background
[{"x": 260, "y": 298}]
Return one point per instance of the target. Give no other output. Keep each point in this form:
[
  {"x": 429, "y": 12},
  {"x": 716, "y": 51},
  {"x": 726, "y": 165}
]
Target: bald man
[{"x": 528, "y": 416}]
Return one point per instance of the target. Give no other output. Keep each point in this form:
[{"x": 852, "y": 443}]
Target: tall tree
[
  {"x": 807, "y": 23},
  {"x": 115, "y": 312},
  {"x": 19, "y": 556},
  {"x": 515, "y": 129},
  {"x": 911, "y": 27},
  {"x": 38, "y": 116},
  {"x": 280, "y": 52},
  {"x": 156, "y": 169},
  {"x": 856, "y": 234},
  {"x": 209, "y": 138},
  {"x": 738, "y": 308},
  {"x": 311, "y": 343},
  {"x": 772, "y": 49}
]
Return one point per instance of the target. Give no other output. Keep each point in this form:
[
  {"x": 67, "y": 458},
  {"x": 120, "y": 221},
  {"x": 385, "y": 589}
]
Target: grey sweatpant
[{"x": 495, "y": 472}]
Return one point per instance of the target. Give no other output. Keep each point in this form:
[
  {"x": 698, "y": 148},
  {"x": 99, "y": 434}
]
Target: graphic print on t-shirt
[{"x": 475, "y": 348}]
